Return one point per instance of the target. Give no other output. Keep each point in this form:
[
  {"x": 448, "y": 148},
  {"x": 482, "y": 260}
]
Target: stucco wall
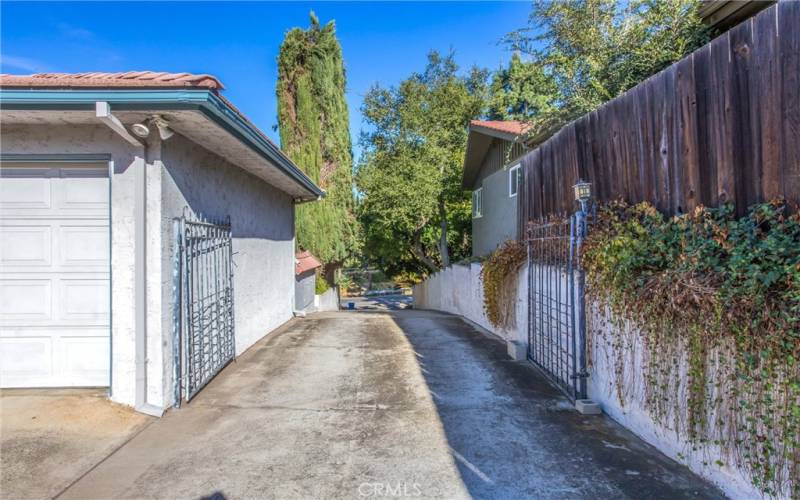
[
  {"x": 179, "y": 174},
  {"x": 498, "y": 222},
  {"x": 304, "y": 290},
  {"x": 262, "y": 225},
  {"x": 602, "y": 333},
  {"x": 328, "y": 301},
  {"x": 459, "y": 290},
  {"x": 99, "y": 139}
]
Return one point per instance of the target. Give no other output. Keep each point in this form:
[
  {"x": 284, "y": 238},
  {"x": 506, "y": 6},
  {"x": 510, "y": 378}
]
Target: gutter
[
  {"x": 220, "y": 112},
  {"x": 205, "y": 101}
]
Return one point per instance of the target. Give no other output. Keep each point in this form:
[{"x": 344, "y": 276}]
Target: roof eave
[
  {"x": 205, "y": 101},
  {"x": 473, "y": 157},
  {"x": 506, "y": 136}
]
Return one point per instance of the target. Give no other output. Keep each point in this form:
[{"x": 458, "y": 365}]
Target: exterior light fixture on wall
[
  {"x": 583, "y": 191},
  {"x": 140, "y": 130},
  {"x": 162, "y": 125},
  {"x": 156, "y": 121}
]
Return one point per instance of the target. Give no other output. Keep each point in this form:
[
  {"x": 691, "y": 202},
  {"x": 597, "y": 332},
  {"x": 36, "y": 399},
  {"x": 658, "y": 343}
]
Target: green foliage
[
  {"x": 594, "y": 50},
  {"x": 521, "y": 91},
  {"x": 499, "y": 276},
  {"x": 314, "y": 130},
  {"x": 724, "y": 293},
  {"x": 410, "y": 174},
  {"x": 320, "y": 286}
]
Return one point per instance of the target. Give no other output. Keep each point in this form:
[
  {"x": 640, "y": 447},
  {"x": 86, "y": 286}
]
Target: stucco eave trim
[
  {"x": 204, "y": 101},
  {"x": 220, "y": 112},
  {"x": 54, "y": 158}
]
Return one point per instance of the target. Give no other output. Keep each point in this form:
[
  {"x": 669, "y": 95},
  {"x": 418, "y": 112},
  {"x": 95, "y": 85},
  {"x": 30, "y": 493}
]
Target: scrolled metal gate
[
  {"x": 203, "y": 287},
  {"x": 556, "y": 321}
]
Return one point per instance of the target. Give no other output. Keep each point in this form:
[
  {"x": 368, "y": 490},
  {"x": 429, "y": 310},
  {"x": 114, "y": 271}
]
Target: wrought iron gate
[
  {"x": 203, "y": 287},
  {"x": 556, "y": 321}
]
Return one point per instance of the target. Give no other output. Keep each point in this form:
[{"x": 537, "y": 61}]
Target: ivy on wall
[
  {"x": 719, "y": 296},
  {"x": 499, "y": 276}
]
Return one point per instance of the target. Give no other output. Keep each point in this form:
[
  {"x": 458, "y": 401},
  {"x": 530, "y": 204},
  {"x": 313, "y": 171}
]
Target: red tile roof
[
  {"x": 129, "y": 79},
  {"x": 304, "y": 261},
  {"x": 509, "y": 126}
]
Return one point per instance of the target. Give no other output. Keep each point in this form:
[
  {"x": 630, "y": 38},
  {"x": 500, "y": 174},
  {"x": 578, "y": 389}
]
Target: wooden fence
[{"x": 721, "y": 125}]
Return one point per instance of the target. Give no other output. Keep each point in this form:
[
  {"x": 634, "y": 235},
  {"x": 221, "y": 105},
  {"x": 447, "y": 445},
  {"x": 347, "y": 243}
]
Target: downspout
[{"x": 103, "y": 112}]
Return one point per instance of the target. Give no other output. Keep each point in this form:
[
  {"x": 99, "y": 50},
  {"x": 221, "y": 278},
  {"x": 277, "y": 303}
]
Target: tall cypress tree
[{"x": 315, "y": 134}]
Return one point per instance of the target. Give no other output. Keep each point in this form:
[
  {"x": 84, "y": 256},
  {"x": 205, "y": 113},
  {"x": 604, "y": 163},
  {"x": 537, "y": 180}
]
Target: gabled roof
[
  {"x": 190, "y": 102},
  {"x": 305, "y": 261},
  {"x": 512, "y": 127},
  {"x": 128, "y": 79},
  {"x": 479, "y": 140}
]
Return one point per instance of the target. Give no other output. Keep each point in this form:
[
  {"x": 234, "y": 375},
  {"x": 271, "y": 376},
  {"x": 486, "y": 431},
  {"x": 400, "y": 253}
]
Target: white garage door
[{"x": 54, "y": 276}]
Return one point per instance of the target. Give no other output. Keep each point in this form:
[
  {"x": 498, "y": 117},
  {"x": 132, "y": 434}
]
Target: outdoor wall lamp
[
  {"x": 140, "y": 130},
  {"x": 162, "y": 125},
  {"x": 583, "y": 191}
]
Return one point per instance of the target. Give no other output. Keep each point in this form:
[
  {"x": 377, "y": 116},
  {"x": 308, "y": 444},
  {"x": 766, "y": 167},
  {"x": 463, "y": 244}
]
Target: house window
[
  {"x": 477, "y": 203},
  {"x": 513, "y": 180}
]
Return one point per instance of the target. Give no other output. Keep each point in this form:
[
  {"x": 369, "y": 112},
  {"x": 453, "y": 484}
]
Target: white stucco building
[{"x": 95, "y": 169}]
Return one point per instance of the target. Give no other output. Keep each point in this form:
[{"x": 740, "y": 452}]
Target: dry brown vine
[
  {"x": 716, "y": 303},
  {"x": 499, "y": 275}
]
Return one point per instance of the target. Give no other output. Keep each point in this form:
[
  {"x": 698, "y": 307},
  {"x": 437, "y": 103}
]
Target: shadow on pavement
[{"x": 513, "y": 435}]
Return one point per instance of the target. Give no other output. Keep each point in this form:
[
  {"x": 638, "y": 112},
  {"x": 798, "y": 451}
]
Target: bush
[{"x": 320, "y": 285}]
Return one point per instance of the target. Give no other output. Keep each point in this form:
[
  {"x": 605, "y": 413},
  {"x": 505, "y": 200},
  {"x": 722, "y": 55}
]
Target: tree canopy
[
  {"x": 315, "y": 133},
  {"x": 414, "y": 214},
  {"x": 583, "y": 53},
  {"x": 521, "y": 91}
]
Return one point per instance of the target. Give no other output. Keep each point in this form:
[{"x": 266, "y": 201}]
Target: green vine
[
  {"x": 499, "y": 275},
  {"x": 719, "y": 298}
]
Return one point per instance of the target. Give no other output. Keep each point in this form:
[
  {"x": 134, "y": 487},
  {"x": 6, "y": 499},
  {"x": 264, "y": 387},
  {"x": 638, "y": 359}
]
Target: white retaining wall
[
  {"x": 634, "y": 415},
  {"x": 459, "y": 290},
  {"x": 328, "y": 301}
]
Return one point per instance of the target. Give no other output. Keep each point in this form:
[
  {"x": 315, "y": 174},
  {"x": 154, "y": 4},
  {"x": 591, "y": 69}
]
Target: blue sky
[{"x": 238, "y": 42}]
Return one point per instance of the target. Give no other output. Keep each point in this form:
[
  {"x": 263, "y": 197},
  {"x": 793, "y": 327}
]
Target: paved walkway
[{"x": 383, "y": 405}]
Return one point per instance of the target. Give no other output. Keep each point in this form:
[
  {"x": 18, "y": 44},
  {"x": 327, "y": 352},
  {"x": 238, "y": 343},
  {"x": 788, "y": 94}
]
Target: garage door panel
[
  {"x": 30, "y": 192},
  {"x": 85, "y": 360},
  {"x": 83, "y": 190},
  {"x": 84, "y": 300},
  {"x": 54, "y": 276},
  {"x": 25, "y": 300},
  {"x": 25, "y": 245},
  {"x": 83, "y": 246},
  {"x": 26, "y": 361}
]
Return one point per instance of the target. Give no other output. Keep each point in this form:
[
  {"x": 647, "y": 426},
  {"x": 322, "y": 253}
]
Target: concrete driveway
[
  {"x": 383, "y": 405},
  {"x": 50, "y": 437}
]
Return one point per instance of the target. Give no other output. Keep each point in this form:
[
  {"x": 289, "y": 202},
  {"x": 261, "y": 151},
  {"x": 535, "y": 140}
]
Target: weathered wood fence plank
[{"x": 721, "y": 125}]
